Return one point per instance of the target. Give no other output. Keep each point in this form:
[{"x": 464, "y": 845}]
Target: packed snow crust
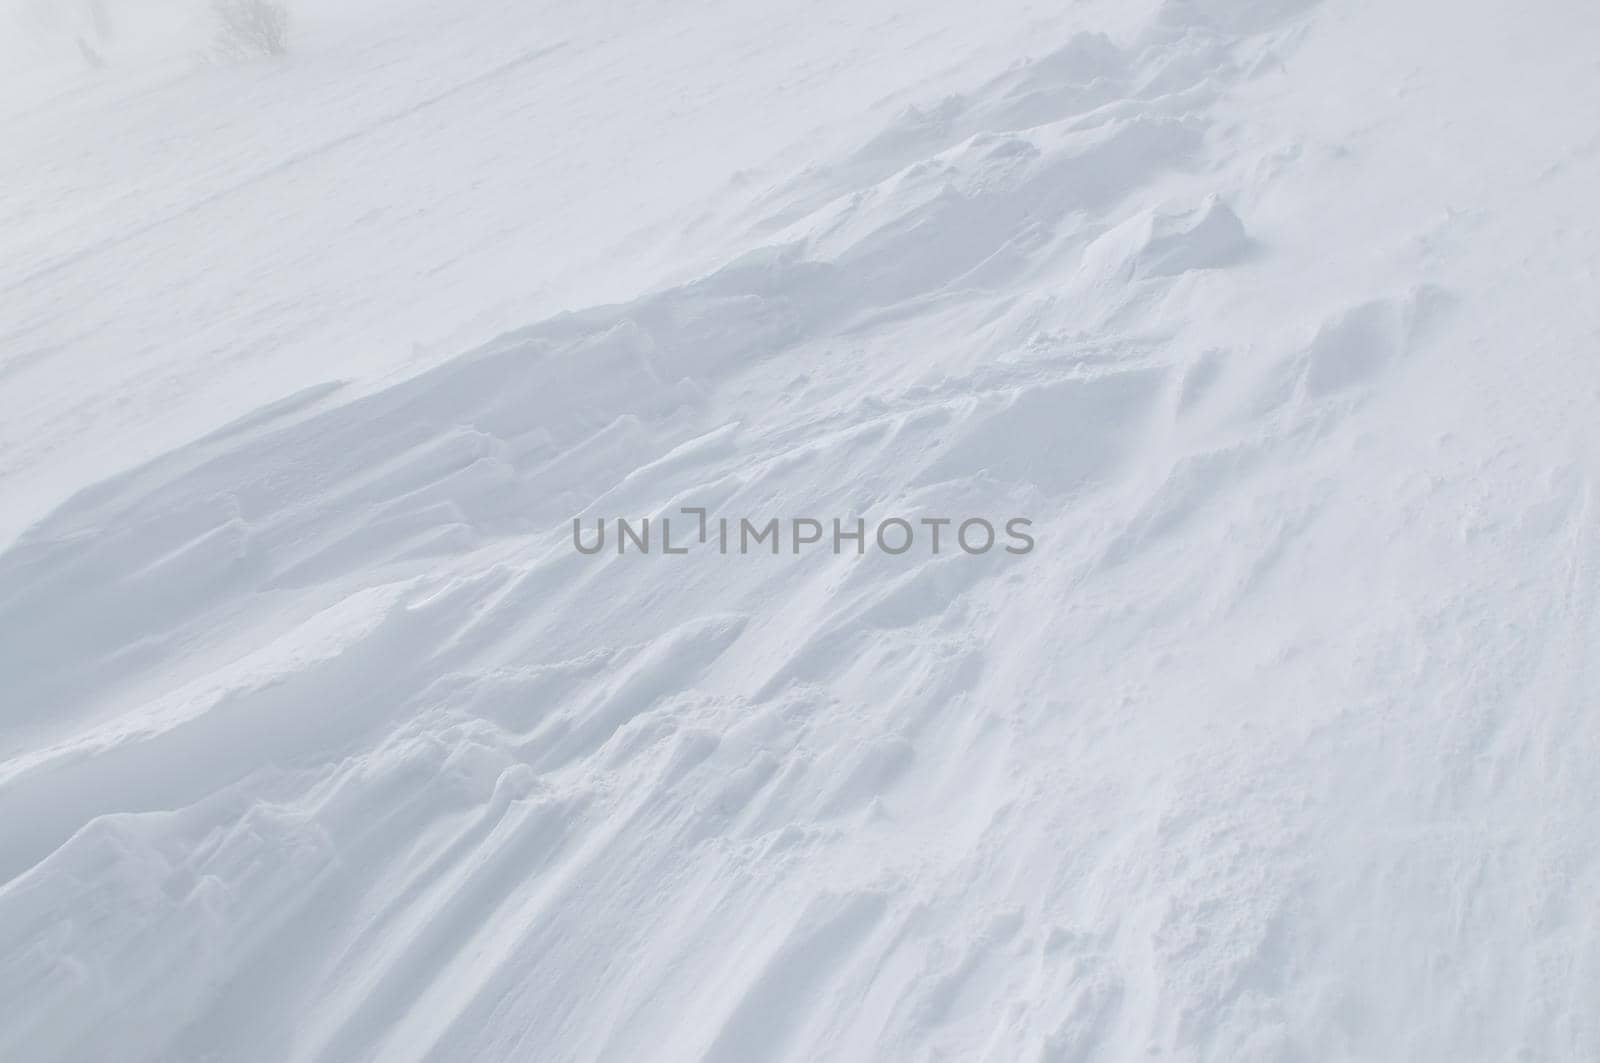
[{"x": 319, "y": 740}]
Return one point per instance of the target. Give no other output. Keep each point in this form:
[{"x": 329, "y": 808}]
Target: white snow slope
[{"x": 320, "y": 741}]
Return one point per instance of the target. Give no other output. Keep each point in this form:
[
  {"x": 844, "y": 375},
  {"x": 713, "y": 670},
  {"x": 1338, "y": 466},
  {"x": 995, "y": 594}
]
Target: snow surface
[{"x": 319, "y": 741}]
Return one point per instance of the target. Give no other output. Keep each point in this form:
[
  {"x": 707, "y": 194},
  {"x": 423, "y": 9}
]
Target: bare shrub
[{"x": 249, "y": 28}]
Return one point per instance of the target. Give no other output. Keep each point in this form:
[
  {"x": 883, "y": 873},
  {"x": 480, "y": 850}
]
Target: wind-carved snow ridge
[{"x": 322, "y": 742}]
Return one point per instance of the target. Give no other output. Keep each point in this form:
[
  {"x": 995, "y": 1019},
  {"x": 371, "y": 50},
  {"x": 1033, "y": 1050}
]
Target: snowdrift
[{"x": 319, "y": 739}]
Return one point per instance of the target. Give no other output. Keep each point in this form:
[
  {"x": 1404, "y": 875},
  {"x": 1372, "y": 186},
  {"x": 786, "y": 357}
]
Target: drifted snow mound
[
  {"x": 321, "y": 741},
  {"x": 1162, "y": 244}
]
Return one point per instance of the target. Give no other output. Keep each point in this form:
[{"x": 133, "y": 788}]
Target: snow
[{"x": 319, "y": 740}]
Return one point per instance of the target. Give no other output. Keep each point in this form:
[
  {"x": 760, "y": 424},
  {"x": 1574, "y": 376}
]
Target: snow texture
[{"x": 320, "y": 741}]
